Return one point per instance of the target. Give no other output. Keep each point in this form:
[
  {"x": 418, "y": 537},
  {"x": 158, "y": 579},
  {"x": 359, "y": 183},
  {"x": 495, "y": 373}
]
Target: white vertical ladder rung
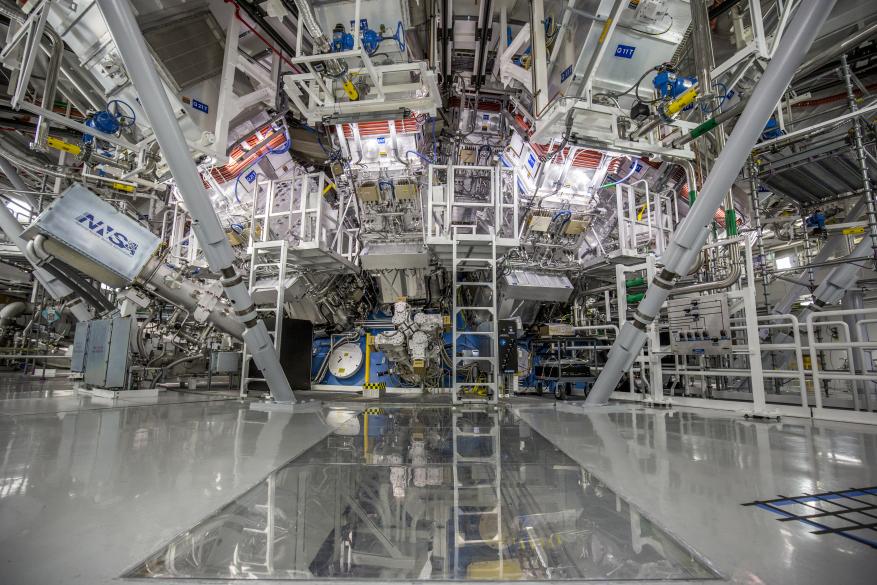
[
  {"x": 487, "y": 247},
  {"x": 282, "y": 249}
]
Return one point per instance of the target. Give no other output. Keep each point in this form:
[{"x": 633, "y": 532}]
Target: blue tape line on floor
[
  {"x": 817, "y": 525},
  {"x": 837, "y": 496}
]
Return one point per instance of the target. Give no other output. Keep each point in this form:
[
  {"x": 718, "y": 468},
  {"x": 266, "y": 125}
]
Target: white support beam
[
  {"x": 561, "y": 31},
  {"x": 503, "y": 38},
  {"x": 539, "y": 61},
  {"x": 602, "y": 45},
  {"x": 224, "y": 111},
  {"x": 508, "y": 70}
]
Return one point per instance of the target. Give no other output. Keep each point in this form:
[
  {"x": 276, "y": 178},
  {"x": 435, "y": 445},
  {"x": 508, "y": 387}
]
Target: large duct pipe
[
  {"x": 214, "y": 243},
  {"x": 162, "y": 280},
  {"x": 835, "y": 51},
  {"x": 829, "y": 248},
  {"x": 156, "y": 277},
  {"x": 12, "y": 229},
  {"x": 13, "y": 310},
  {"x": 841, "y": 278},
  {"x": 690, "y": 236},
  {"x": 17, "y": 183}
]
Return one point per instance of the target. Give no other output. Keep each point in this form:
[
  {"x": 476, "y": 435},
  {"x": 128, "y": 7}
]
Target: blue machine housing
[
  {"x": 341, "y": 40},
  {"x": 371, "y": 39},
  {"x": 670, "y": 85},
  {"x": 816, "y": 221},
  {"x": 771, "y": 130},
  {"x": 102, "y": 122}
]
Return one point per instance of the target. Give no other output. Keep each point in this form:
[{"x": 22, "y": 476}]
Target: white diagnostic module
[{"x": 345, "y": 360}]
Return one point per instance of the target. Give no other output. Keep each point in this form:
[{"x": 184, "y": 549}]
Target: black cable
[
  {"x": 93, "y": 298},
  {"x": 635, "y": 85},
  {"x": 651, "y": 34}
]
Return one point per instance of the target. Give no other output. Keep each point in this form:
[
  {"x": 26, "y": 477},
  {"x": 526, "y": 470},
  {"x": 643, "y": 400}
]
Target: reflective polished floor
[
  {"x": 92, "y": 489},
  {"x": 428, "y": 493}
]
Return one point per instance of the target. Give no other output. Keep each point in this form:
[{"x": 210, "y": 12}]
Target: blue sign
[
  {"x": 531, "y": 160},
  {"x": 382, "y": 140},
  {"x": 638, "y": 167},
  {"x": 201, "y": 106},
  {"x": 564, "y": 75},
  {"x": 251, "y": 176},
  {"x": 624, "y": 51}
]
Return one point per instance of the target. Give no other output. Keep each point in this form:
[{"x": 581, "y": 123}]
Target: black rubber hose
[{"x": 85, "y": 291}]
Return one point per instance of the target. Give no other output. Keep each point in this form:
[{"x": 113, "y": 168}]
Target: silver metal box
[
  {"x": 92, "y": 227},
  {"x": 106, "y": 354},
  {"x": 700, "y": 325},
  {"x": 532, "y": 286},
  {"x": 80, "y": 339},
  {"x": 225, "y": 362}
]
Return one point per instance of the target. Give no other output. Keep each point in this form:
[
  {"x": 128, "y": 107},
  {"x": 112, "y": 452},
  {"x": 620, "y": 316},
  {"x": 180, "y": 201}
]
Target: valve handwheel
[{"x": 122, "y": 112}]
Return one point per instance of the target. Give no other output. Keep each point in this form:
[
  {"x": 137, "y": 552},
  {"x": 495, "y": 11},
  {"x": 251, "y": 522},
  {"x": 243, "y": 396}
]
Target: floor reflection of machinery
[
  {"x": 415, "y": 493},
  {"x": 478, "y": 527}
]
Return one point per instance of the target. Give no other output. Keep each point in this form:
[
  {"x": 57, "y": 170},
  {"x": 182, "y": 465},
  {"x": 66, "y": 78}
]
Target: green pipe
[
  {"x": 640, "y": 281},
  {"x": 703, "y": 128},
  {"x": 636, "y": 297},
  {"x": 731, "y": 222}
]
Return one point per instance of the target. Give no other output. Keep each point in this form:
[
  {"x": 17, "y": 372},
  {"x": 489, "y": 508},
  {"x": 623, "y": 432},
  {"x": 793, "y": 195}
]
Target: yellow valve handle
[
  {"x": 682, "y": 102},
  {"x": 350, "y": 90},
  {"x": 122, "y": 187},
  {"x": 639, "y": 214}
]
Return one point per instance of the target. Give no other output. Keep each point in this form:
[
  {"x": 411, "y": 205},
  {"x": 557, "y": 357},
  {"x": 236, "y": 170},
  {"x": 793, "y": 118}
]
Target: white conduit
[
  {"x": 689, "y": 238},
  {"x": 141, "y": 69}
]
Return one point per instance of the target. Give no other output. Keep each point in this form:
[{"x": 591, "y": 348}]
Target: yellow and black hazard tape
[
  {"x": 373, "y": 411},
  {"x": 375, "y": 386}
]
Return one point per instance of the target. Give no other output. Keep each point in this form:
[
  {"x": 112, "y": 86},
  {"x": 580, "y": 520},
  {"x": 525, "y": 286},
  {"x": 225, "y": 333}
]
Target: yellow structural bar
[
  {"x": 59, "y": 144},
  {"x": 604, "y": 31},
  {"x": 368, "y": 357},
  {"x": 365, "y": 438},
  {"x": 682, "y": 102}
]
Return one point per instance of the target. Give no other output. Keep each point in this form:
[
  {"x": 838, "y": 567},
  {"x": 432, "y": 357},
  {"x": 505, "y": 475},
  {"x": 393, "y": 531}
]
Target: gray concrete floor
[{"x": 91, "y": 487}]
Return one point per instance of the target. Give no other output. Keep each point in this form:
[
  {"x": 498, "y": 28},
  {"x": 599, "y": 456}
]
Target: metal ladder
[
  {"x": 477, "y": 494},
  {"x": 474, "y": 252},
  {"x": 266, "y": 260}
]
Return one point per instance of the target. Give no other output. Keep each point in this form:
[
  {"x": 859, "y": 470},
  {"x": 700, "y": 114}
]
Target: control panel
[
  {"x": 508, "y": 346},
  {"x": 700, "y": 325}
]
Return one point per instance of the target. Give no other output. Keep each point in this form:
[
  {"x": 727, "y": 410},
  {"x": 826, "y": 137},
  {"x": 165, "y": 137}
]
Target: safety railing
[
  {"x": 858, "y": 375},
  {"x": 296, "y": 210}
]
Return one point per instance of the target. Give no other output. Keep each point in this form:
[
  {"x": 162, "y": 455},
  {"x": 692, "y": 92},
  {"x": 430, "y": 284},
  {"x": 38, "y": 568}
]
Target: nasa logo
[{"x": 107, "y": 232}]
